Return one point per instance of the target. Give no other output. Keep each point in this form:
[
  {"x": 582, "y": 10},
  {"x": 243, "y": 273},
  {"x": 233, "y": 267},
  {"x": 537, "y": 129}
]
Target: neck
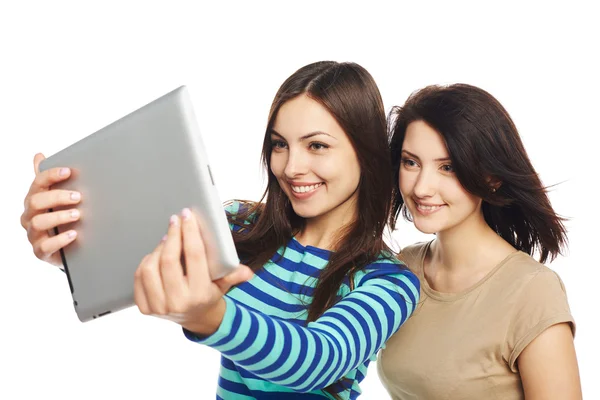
[
  {"x": 468, "y": 246},
  {"x": 322, "y": 231}
]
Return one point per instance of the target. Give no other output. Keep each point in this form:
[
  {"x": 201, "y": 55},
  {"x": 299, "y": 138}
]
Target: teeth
[
  {"x": 427, "y": 208},
  {"x": 304, "y": 189}
]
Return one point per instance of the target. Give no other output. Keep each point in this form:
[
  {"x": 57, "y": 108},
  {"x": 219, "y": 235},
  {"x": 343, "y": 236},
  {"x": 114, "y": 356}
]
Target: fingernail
[
  {"x": 75, "y": 196},
  {"x": 63, "y": 171},
  {"x": 164, "y": 238},
  {"x": 186, "y": 213},
  {"x": 75, "y": 214},
  {"x": 174, "y": 220},
  {"x": 71, "y": 234}
]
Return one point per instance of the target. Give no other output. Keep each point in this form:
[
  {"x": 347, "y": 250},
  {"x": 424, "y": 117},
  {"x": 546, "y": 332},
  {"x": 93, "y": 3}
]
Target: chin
[
  {"x": 305, "y": 212},
  {"x": 427, "y": 231},
  {"x": 427, "y": 227}
]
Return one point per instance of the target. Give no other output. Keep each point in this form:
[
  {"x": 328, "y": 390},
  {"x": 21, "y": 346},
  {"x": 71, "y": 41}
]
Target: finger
[
  {"x": 37, "y": 159},
  {"x": 171, "y": 268},
  {"x": 45, "y": 179},
  {"x": 40, "y": 202},
  {"x": 158, "y": 249},
  {"x": 43, "y": 200},
  {"x": 239, "y": 275},
  {"x": 139, "y": 295},
  {"x": 45, "y": 221},
  {"x": 151, "y": 282},
  {"x": 194, "y": 252},
  {"x": 44, "y": 247}
]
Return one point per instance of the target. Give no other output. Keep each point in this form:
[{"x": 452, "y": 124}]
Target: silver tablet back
[{"x": 133, "y": 175}]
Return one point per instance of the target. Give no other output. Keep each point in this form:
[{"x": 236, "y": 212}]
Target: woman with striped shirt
[{"x": 321, "y": 293}]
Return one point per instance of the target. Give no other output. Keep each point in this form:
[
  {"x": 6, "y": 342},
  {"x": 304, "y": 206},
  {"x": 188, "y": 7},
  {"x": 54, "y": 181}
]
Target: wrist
[{"x": 208, "y": 323}]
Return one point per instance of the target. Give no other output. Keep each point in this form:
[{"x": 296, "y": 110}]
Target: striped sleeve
[
  {"x": 307, "y": 358},
  {"x": 233, "y": 209}
]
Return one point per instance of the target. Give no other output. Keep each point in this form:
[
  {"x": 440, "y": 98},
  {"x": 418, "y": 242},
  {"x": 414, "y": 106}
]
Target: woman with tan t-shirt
[{"x": 492, "y": 322}]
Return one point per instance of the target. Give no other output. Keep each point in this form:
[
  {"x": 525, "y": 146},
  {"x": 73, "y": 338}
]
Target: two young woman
[{"x": 326, "y": 292}]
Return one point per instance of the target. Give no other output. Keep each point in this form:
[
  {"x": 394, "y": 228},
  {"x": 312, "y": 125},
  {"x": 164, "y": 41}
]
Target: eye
[
  {"x": 278, "y": 145},
  {"x": 318, "y": 146},
  {"x": 408, "y": 162},
  {"x": 448, "y": 168}
]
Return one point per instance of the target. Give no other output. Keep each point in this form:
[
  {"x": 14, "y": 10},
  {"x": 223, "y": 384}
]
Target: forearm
[{"x": 311, "y": 357}]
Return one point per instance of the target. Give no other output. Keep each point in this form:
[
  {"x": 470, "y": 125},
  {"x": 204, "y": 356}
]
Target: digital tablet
[{"x": 133, "y": 175}]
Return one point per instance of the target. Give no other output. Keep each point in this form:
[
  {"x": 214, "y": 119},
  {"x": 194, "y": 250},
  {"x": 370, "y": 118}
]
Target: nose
[
  {"x": 297, "y": 164},
  {"x": 426, "y": 184}
]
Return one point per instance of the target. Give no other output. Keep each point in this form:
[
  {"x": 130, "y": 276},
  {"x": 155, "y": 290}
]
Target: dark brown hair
[
  {"x": 486, "y": 151},
  {"x": 351, "y": 96}
]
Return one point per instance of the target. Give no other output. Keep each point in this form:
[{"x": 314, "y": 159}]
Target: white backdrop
[{"x": 68, "y": 69}]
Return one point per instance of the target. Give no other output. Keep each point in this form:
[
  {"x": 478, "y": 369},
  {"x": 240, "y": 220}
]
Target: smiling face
[
  {"x": 430, "y": 189},
  {"x": 313, "y": 160}
]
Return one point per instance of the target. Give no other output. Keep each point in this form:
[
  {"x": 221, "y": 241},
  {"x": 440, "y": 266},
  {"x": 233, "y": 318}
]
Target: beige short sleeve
[{"x": 542, "y": 303}]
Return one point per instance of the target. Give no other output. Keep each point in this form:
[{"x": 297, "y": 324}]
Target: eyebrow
[
  {"x": 417, "y": 157},
  {"x": 307, "y": 136}
]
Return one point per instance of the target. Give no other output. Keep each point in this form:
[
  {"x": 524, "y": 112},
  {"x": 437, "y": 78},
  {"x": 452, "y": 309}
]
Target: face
[
  {"x": 434, "y": 196},
  {"x": 313, "y": 160}
]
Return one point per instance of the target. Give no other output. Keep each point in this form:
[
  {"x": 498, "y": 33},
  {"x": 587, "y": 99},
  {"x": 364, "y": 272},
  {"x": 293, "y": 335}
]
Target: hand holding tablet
[{"x": 123, "y": 174}]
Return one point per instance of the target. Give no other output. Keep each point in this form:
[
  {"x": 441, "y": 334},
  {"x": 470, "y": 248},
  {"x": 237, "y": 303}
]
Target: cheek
[
  {"x": 277, "y": 164},
  {"x": 336, "y": 168},
  {"x": 453, "y": 192},
  {"x": 354, "y": 168},
  {"x": 473, "y": 201},
  {"x": 405, "y": 182},
  {"x": 350, "y": 165}
]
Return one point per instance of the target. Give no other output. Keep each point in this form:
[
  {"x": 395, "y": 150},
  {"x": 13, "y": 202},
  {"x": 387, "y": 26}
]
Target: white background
[{"x": 68, "y": 69}]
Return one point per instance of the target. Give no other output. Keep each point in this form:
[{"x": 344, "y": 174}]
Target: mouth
[
  {"x": 427, "y": 208},
  {"x": 305, "y": 188}
]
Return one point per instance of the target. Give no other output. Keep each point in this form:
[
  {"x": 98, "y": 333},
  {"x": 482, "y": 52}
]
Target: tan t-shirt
[{"x": 465, "y": 345}]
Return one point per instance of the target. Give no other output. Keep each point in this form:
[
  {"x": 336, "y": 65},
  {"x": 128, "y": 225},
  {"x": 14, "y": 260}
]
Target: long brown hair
[
  {"x": 351, "y": 96},
  {"x": 486, "y": 150}
]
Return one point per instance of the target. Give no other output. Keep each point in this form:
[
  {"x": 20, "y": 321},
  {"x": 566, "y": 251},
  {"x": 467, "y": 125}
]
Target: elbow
[{"x": 307, "y": 387}]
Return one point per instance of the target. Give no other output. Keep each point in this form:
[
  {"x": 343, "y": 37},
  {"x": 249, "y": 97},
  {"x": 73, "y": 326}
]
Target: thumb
[
  {"x": 239, "y": 275},
  {"x": 37, "y": 159}
]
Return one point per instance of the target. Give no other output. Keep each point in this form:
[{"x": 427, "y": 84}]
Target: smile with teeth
[
  {"x": 305, "y": 189},
  {"x": 428, "y": 208}
]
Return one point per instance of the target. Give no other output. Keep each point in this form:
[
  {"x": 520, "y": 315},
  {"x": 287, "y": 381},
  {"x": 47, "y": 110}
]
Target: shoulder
[
  {"x": 241, "y": 213},
  {"x": 389, "y": 269},
  {"x": 234, "y": 208},
  {"x": 538, "y": 299},
  {"x": 527, "y": 277},
  {"x": 413, "y": 254},
  {"x": 526, "y": 286}
]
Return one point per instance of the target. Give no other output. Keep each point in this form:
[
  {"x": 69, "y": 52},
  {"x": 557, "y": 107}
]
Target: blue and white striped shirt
[{"x": 270, "y": 352}]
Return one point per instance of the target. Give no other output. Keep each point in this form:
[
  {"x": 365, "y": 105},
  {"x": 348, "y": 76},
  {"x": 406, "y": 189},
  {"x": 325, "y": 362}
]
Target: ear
[{"x": 493, "y": 183}]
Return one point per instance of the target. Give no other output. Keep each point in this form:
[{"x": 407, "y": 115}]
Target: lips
[
  {"x": 428, "y": 208},
  {"x": 305, "y": 188}
]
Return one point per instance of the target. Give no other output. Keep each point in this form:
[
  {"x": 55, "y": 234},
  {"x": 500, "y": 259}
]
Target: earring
[{"x": 493, "y": 190}]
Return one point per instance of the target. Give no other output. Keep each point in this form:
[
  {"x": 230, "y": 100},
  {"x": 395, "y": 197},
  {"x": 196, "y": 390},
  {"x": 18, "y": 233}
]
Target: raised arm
[
  {"x": 313, "y": 357},
  {"x": 301, "y": 358}
]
